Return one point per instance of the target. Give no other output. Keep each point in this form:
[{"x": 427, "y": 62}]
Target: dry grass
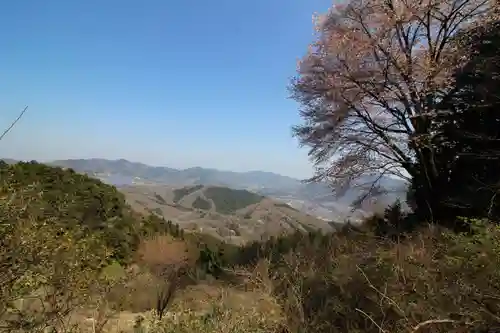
[
  {"x": 432, "y": 281},
  {"x": 201, "y": 308},
  {"x": 222, "y": 310},
  {"x": 168, "y": 260}
]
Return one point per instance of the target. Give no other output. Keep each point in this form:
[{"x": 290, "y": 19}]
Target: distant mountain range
[
  {"x": 8, "y": 160},
  {"x": 315, "y": 199}
]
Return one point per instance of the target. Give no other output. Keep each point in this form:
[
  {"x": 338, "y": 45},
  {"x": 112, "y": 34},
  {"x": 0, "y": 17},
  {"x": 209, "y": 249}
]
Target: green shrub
[
  {"x": 200, "y": 203},
  {"x": 228, "y": 200},
  {"x": 71, "y": 200},
  {"x": 47, "y": 271}
]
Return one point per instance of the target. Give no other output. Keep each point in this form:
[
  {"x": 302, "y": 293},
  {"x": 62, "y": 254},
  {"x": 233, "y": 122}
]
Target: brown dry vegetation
[{"x": 431, "y": 280}]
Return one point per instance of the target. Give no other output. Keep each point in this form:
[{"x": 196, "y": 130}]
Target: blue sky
[{"x": 175, "y": 83}]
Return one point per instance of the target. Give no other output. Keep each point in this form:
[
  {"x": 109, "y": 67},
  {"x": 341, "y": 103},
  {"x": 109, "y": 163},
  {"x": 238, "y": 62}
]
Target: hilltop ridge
[
  {"x": 174, "y": 176},
  {"x": 236, "y": 216},
  {"x": 315, "y": 199}
]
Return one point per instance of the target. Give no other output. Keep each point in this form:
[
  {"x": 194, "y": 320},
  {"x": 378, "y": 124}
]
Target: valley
[
  {"x": 235, "y": 216},
  {"x": 236, "y": 207},
  {"x": 314, "y": 199}
]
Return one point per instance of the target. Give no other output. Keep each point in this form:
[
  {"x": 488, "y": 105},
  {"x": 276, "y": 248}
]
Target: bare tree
[{"x": 369, "y": 84}]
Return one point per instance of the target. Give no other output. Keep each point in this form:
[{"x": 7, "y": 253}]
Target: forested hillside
[{"x": 235, "y": 216}]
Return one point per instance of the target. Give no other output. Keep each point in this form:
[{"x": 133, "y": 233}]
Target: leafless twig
[
  {"x": 371, "y": 319},
  {"x": 384, "y": 296},
  {"x": 431, "y": 322},
  {"x": 13, "y": 123}
]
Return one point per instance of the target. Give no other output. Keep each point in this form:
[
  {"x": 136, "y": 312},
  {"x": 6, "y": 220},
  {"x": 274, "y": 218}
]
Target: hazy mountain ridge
[
  {"x": 315, "y": 199},
  {"x": 9, "y": 160},
  {"x": 195, "y": 175}
]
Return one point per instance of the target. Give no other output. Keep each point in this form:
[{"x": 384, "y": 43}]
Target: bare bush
[
  {"x": 168, "y": 260},
  {"x": 432, "y": 281}
]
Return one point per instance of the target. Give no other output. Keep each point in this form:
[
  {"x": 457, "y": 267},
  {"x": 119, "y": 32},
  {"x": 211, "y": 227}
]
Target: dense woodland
[{"x": 408, "y": 88}]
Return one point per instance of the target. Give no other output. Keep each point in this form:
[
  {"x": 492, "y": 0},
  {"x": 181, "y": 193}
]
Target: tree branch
[{"x": 13, "y": 123}]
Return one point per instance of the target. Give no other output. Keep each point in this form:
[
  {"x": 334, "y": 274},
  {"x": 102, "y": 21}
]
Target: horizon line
[{"x": 149, "y": 165}]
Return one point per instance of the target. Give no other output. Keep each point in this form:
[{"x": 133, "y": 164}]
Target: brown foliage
[
  {"x": 432, "y": 281},
  {"x": 162, "y": 253},
  {"x": 369, "y": 83},
  {"x": 168, "y": 260}
]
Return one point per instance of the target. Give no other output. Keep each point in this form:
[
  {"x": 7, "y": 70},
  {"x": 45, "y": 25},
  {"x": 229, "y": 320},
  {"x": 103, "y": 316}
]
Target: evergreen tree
[{"x": 467, "y": 130}]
